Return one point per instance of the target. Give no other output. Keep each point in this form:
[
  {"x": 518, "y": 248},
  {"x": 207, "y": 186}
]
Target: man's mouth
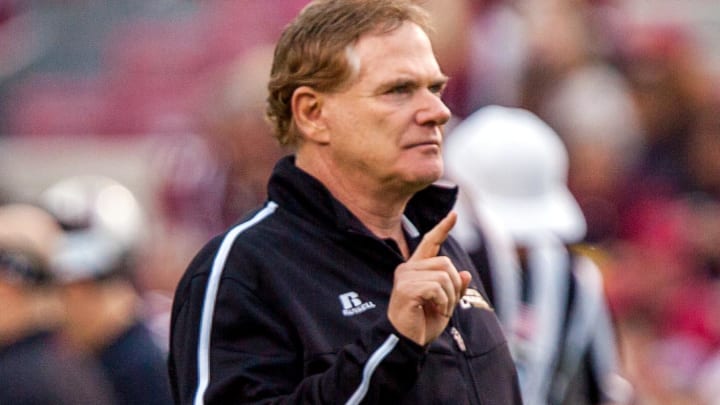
[{"x": 423, "y": 144}]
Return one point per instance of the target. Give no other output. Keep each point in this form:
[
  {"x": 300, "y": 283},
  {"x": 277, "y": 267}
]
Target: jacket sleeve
[{"x": 255, "y": 356}]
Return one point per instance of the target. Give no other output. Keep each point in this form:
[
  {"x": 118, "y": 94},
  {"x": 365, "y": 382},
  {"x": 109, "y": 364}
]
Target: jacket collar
[{"x": 299, "y": 192}]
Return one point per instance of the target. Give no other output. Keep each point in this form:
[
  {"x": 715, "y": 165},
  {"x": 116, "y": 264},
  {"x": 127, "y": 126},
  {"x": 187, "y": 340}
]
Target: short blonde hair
[{"x": 313, "y": 50}]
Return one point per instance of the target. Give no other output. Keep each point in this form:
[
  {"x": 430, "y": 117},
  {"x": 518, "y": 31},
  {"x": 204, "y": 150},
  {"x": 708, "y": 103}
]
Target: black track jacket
[{"x": 290, "y": 306}]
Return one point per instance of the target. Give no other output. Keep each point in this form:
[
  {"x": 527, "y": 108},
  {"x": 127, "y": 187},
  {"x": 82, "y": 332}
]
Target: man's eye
[
  {"x": 402, "y": 89},
  {"x": 437, "y": 89}
]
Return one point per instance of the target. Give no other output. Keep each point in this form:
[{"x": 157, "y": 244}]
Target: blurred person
[
  {"x": 556, "y": 39},
  {"x": 604, "y": 138},
  {"x": 669, "y": 85},
  {"x": 513, "y": 167},
  {"x": 34, "y": 367},
  {"x": 333, "y": 291},
  {"x": 93, "y": 266}
]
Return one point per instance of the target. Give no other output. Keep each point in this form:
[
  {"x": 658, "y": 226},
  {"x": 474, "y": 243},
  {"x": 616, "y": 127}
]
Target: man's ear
[{"x": 307, "y": 106}]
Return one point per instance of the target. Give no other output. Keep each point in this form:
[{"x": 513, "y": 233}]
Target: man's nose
[{"x": 433, "y": 110}]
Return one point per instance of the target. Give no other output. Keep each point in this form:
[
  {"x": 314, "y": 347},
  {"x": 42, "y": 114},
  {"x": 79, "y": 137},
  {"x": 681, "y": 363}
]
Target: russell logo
[{"x": 353, "y": 305}]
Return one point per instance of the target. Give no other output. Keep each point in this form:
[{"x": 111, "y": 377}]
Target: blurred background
[{"x": 166, "y": 98}]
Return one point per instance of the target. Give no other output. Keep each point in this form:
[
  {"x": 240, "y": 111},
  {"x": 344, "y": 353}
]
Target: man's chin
[
  {"x": 418, "y": 173},
  {"x": 432, "y": 171},
  {"x": 424, "y": 179}
]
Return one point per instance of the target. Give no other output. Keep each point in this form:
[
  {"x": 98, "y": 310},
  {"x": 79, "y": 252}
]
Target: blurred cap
[
  {"x": 28, "y": 236},
  {"x": 102, "y": 220},
  {"x": 514, "y": 167},
  {"x": 86, "y": 255}
]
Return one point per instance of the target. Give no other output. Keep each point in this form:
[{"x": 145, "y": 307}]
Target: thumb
[{"x": 430, "y": 244}]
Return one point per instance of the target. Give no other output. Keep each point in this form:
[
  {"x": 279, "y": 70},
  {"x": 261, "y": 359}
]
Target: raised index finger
[{"x": 430, "y": 244}]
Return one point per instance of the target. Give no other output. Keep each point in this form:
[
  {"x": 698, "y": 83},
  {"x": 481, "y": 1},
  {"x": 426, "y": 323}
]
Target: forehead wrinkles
[
  {"x": 355, "y": 62},
  {"x": 351, "y": 55}
]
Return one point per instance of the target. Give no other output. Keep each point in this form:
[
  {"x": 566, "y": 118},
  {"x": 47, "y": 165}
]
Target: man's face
[{"x": 386, "y": 126}]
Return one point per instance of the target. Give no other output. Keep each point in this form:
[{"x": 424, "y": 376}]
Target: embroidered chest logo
[
  {"x": 353, "y": 305},
  {"x": 473, "y": 298}
]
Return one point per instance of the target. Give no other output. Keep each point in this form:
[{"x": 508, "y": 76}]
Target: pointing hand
[{"x": 427, "y": 288}]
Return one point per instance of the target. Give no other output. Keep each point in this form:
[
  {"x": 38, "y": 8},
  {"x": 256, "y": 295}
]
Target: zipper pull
[{"x": 458, "y": 339}]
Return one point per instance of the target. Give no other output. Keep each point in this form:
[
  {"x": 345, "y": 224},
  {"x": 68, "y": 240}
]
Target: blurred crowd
[{"x": 636, "y": 102}]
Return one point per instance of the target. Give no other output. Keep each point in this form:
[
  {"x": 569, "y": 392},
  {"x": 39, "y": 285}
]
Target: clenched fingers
[
  {"x": 431, "y": 280},
  {"x": 445, "y": 270}
]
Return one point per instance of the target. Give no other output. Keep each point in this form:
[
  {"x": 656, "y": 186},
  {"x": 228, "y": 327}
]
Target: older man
[{"x": 344, "y": 287}]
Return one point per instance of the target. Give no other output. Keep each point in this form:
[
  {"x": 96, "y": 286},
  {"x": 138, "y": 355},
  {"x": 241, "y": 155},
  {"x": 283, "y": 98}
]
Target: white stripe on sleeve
[
  {"x": 370, "y": 367},
  {"x": 203, "y": 353}
]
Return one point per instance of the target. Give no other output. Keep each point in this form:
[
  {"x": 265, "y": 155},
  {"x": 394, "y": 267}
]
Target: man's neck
[{"x": 379, "y": 209}]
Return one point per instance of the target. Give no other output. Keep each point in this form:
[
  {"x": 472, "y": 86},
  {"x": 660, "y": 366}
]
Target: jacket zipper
[
  {"x": 463, "y": 358},
  {"x": 458, "y": 339}
]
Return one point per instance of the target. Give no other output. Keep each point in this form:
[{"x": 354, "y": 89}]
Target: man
[
  {"x": 343, "y": 287},
  {"x": 35, "y": 368},
  {"x": 550, "y": 298},
  {"x": 94, "y": 268}
]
